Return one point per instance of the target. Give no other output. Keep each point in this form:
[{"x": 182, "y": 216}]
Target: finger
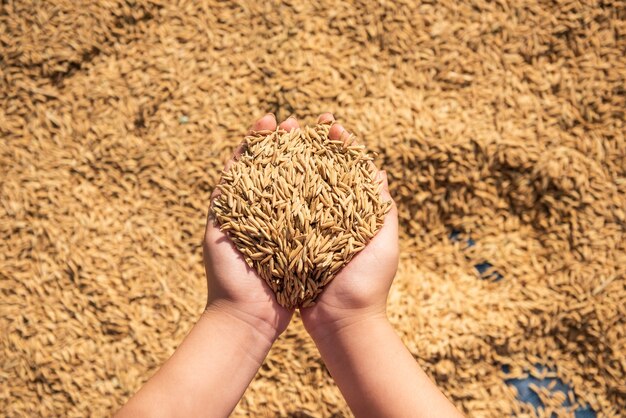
[
  {"x": 266, "y": 123},
  {"x": 210, "y": 219},
  {"x": 215, "y": 193},
  {"x": 236, "y": 154},
  {"x": 212, "y": 230},
  {"x": 337, "y": 132},
  {"x": 326, "y": 118},
  {"x": 381, "y": 176},
  {"x": 289, "y": 124},
  {"x": 391, "y": 218}
]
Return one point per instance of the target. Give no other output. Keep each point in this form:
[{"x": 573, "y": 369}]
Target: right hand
[{"x": 360, "y": 289}]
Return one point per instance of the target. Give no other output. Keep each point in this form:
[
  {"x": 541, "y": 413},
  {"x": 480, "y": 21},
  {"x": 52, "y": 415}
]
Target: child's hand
[
  {"x": 360, "y": 290},
  {"x": 375, "y": 372},
  {"x": 225, "y": 348},
  {"x": 209, "y": 372},
  {"x": 233, "y": 286}
]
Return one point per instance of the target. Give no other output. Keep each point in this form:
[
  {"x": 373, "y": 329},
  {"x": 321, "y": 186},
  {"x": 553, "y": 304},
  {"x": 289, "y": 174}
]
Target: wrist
[
  {"x": 322, "y": 324},
  {"x": 259, "y": 331}
]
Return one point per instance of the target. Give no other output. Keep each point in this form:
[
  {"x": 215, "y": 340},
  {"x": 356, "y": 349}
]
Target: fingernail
[{"x": 270, "y": 114}]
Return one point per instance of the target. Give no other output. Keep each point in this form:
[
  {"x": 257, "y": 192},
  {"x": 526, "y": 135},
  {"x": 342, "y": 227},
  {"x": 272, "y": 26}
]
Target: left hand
[{"x": 234, "y": 287}]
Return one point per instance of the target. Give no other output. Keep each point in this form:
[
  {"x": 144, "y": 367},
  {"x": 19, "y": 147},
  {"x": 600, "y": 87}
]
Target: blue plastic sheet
[{"x": 525, "y": 393}]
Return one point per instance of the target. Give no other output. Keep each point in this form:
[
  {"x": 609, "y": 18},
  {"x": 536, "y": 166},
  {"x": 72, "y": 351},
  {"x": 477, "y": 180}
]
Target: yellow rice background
[{"x": 501, "y": 120}]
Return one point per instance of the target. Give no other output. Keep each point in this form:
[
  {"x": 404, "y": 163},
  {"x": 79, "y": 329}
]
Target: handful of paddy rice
[{"x": 299, "y": 206}]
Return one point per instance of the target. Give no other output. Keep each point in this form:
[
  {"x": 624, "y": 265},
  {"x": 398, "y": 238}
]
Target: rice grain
[{"x": 288, "y": 183}]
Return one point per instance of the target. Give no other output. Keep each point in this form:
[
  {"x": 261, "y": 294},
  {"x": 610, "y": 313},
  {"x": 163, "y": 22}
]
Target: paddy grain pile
[
  {"x": 299, "y": 206},
  {"x": 500, "y": 124}
]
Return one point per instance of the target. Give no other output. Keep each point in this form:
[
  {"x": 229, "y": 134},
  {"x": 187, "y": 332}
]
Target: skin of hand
[
  {"x": 232, "y": 285},
  {"x": 375, "y": 372},
  {"x": 209, "y": 372},
  {"x": 361, "y": 287}
]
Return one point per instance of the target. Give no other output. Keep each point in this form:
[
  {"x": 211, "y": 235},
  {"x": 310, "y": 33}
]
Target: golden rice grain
[{"x": 329, "y": 190}]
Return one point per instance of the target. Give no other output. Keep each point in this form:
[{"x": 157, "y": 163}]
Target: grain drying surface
[{"x": 501, "y": 120}]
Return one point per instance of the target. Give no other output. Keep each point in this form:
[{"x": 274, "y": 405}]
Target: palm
[
  {"x": 229, "y": 278},
  {"x": 362, "y": 285},
  {"x": 369, "y": 274}
]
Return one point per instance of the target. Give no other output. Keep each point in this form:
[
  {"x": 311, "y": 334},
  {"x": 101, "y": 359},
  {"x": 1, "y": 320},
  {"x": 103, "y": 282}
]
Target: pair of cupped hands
[{"x": 358, "y": 292}]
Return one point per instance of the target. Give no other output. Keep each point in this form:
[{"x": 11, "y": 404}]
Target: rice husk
[{"x": 299, "y": 206}]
